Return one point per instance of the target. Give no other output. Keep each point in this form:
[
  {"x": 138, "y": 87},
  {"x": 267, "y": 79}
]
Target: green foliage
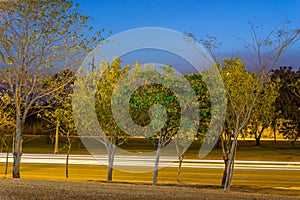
[
  {"x": 287, "y": 103},
  {"x": 7, "y": 120},
  {"x": 242, "y": 91},
  {"x": 59, "y": 107},
  {"x": 203, "y": 97},
  {"x": 158, "y": 104},
  {"x": 290, "y": 130},
  {"x": 242, "y": 87},
  {"x": 109, "y": 77},
  {"x": 264, "y": 111}
]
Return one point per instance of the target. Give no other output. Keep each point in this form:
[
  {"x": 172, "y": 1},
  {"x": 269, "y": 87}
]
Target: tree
[
  {"x": 6, "y": 116},
  {"x": 163, "y": 108},
  {"x": 242, "y": 89},
  {"x": 154, "y": 95},
  {"x": 264, "y": 52},
  {"x": 289, "y": 129},
  {"x": 288, "y": 101},
  {"x": 110, "y": 75},
  {"x": 264, "y": 113},
  {"x": 36, "y": 38},
  {"x": 203, "y": 98},
  {"x": 267, "y": 49},
  {"x": 62, "y": 119},
  {"x": 92, "y": 99},
  {"x": 59, "y": 113},
  {"x": 7, "y": 123},
  {"x": 153, "y": 107}
]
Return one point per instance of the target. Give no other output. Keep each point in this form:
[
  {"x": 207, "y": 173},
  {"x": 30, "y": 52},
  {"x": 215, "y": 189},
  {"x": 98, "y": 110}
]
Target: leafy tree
[
  {"x": 152, "y": 95},
  {"x": 153, "y": 107},
  {"x": 37, "y": 37},
  {"x": 159, "y": 111},
  {"x": 7, "y": 123},
  {"x": 288, "y": 101},
  {"x": 267, "y": 48},
  {"x": 110, "y": 75},
  {"x": 92, "y": 111},
  {"x": 241, "y": 94},
  {"x": 59, "y": 114},
  {"x": 203, "y": 98},
  {"x": 290, "y": 130},
  {"x": 264, "y": 113},
  {"x": 62, "y": 119}
]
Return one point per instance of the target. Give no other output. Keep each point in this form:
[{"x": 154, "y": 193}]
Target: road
[{"x": 149, "y": 161}]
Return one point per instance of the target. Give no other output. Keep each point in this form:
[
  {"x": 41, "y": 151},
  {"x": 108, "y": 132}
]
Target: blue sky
[{"x": 227, "y": 20}]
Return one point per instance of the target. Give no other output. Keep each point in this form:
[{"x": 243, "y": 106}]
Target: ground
[{"x": 41, "y": 189}]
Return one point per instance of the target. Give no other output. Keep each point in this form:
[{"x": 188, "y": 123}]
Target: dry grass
[{"x": 41, "y": 189}]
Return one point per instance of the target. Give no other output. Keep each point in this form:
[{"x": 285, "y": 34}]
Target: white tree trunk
[
  {"x": 111, "y": 157},
  {"x": 17, "y": 147},
  {"x": 230, "y": 166},
  {"x": 155, "y": 173}
]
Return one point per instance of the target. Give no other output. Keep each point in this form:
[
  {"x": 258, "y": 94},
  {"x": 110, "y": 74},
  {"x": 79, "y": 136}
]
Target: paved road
[{"x": 149, "y": 161}]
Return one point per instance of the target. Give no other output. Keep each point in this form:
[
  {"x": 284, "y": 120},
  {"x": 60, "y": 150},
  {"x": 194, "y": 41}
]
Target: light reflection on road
[{"x": 142, "y": 161}]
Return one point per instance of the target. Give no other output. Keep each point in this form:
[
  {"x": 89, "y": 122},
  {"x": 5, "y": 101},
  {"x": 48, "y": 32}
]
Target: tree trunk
[
  {"x": 67, "y": 160},
  {"x": 225, "y": 151},
  {"x": 274, "y": 131},
  {"x": 111, "y": 156},
  {"x": 293, "y": 142},
  {"x": 230, "y": 166},
  {"x": 259, "y": 136},
  {"x": 180, "y": 158},
  {"x": 17, "y": 148},
  {"x": 155, "y": 173},
  {"x": 257, "y": 142},
  {"x": 56, "y": 149},
  {"x": 225, "y": 172},
  {"x": 6, "y": 162}
]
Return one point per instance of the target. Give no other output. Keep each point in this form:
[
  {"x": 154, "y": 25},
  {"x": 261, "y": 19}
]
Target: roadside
[{"x": 37, "y": 189}]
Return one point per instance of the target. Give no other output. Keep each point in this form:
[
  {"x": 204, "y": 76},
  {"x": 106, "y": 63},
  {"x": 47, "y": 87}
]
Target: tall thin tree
[{"x": 37, "y": 38}]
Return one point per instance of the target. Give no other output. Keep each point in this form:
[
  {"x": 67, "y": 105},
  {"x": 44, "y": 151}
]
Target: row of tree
[
  {"x": 271, "y": 108},
  {"x": 40, "y": 37}
]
